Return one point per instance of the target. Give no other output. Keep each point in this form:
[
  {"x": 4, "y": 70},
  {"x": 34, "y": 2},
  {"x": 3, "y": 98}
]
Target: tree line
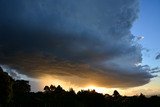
[{"x": 17, "y": 93}]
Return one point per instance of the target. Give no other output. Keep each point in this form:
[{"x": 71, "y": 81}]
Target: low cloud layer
[{"x": 87, "y": 39}]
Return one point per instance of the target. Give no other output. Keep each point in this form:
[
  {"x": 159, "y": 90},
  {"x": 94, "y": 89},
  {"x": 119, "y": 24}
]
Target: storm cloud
[{"x": 87, "y": 39}]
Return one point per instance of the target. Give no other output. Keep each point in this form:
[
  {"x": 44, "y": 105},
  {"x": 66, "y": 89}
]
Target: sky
[
  {"x": 101, "y": 44},
  {"x": 147, "y": 25}
]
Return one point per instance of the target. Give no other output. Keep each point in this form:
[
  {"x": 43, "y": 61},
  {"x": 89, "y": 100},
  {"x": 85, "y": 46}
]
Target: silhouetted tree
[
  {"x": 154, "y": 101},
  {"x": 21, "y": 87},
  {"x": 46, "y": 89},
  {"x": 116, "y": 93},
  {"x": 52, "y": 88},
  {"x": 142, "y": 101},
  {"x": 71, "y": 91},
  {"x": 59, "y": 89},
  {"x": 5, "y": 87},
  {"x": 90, "y": 98},
  {"x": 142, "y": 96}
]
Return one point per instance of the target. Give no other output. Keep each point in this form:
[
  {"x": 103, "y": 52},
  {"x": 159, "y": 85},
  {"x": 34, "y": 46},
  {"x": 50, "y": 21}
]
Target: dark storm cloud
[{"x": 90, "y": 39}]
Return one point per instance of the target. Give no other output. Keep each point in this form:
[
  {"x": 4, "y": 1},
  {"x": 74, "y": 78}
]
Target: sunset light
[{"x": 79, "y": 53}]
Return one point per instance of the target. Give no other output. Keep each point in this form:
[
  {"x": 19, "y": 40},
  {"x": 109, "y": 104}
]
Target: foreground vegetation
[{"x": 16, "y": 93}]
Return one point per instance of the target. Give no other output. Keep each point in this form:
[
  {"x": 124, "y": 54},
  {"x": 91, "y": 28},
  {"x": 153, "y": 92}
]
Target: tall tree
[
  {"x": 52, "y": 87},
  {"x": 5, "y": 87},
  {"x": 116, "y": 93},
  {"x": 46, "y": 89},
  {"x": 21, "y": 87}
]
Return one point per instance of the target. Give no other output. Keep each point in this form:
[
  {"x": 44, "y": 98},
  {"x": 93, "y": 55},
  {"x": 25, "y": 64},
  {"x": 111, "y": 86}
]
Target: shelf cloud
[{"x": 86, "y": 39}]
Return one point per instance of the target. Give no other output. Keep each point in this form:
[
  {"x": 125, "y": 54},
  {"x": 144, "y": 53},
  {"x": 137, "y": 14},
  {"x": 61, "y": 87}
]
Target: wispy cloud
[{"x": 157, "y": 57}]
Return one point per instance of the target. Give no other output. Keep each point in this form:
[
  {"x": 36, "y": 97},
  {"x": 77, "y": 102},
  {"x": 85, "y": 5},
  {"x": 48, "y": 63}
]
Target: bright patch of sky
[{"x": 148, "y": 26}]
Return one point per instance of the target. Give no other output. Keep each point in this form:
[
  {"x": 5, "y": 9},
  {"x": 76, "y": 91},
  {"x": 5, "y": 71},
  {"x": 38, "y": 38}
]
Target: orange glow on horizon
[
  {"x": 48, "y": 80},
  {"x": 54, "y": 80},
  {"x": 97, "y": 89}
]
